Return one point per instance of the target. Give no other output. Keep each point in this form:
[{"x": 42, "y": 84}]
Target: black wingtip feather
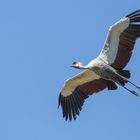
[
  {"x": 72, "y": 104},
  {"x": 73, "y": 107},
  {"x": 59, "y": 100},
  {"x": 136, "y": 19},
  {"x": 133, "y": 13},
  {"x": 69, "y": 110},
  {"x": 78, "y": 101},
  {"x": 135, "y": 16}
]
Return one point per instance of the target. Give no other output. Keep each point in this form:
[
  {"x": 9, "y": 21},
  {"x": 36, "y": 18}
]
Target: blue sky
[{"x": 38, "y": 42}]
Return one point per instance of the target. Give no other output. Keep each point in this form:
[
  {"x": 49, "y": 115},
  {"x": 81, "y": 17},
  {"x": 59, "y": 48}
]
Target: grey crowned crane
[{"x": 106, "y": 70}]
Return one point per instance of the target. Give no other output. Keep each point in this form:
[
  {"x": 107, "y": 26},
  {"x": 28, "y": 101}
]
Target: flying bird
[{"x": 106, "y": 70}]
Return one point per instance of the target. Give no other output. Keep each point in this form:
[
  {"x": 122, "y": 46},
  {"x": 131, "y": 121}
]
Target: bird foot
[
  {"x": 135, "y": 93},
  {"x": 138, "y": 87}
]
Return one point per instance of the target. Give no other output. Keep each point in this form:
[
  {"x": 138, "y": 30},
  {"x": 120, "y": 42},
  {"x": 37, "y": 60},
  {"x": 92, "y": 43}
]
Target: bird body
[
  {"x": 106, "y": 70},
  {"x": 101, "y": 68}
]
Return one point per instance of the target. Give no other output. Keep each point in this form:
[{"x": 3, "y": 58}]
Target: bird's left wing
[
  {"x": 120, "y": 41},
  {"x": 76, "y": 90}
]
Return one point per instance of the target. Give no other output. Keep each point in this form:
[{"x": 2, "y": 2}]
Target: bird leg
[
  {"x": 131, "y": 91},
  {"x": 133, "y": 84}
]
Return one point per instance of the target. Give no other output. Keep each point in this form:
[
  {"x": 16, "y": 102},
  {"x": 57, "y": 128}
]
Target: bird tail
[
  {"x": 125, "y": 73},
  {"x": 121, "y": 81},
  {"x": 111, "y": 85}
]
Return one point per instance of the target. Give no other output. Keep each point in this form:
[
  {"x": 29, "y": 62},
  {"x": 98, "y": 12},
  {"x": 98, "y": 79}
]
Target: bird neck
[{"x": 83, "y": 67}]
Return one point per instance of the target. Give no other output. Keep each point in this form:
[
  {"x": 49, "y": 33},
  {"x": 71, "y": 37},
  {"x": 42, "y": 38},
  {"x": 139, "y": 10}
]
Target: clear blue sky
[{"x": 38, "y": 42}]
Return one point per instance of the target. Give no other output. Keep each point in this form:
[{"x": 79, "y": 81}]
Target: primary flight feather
[{"x": 106, "y": 70}]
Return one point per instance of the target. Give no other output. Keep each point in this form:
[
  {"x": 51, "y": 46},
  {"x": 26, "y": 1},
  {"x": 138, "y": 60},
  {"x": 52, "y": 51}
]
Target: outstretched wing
[
  {"x": 76, "y": 90},
  {"x": 120, "y": 41}
]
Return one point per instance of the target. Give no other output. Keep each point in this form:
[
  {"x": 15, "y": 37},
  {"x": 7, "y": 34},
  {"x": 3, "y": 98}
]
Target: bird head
[{"x": 76, "y": 65}]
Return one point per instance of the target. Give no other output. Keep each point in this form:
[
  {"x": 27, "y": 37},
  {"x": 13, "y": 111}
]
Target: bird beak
[{"x": 72, "y": 66}]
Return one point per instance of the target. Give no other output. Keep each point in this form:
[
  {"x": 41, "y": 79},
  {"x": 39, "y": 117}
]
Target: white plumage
[{"x": 110, "y": 49}]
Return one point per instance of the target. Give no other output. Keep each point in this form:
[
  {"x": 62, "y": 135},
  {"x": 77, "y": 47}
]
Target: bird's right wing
[{"x": 76, "y": 90}]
